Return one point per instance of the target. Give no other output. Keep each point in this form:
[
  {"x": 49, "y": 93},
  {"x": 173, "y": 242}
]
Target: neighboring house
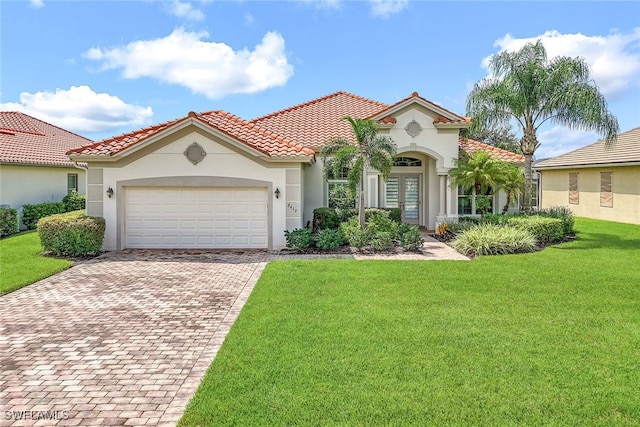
[
  {"x": 34, "y": 167},
  {"x": 596, "y": 181},
  {"x": 215, "y": 180}
]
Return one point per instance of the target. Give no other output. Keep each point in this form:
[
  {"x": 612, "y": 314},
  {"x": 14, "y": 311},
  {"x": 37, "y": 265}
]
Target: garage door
[{"x": 194, "y": 217}]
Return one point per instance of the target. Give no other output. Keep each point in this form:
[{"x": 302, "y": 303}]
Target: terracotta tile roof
[
  {"x": 471, "y": 146},
  {"x": 625, "y": 150},
  {"x": 316, "y": 122},
  {"x": 388, "y": 119},
  {"x": 453, "y": 117},
  {"x": 250, "y": 134},
  {"x": 30, "y": 141}
]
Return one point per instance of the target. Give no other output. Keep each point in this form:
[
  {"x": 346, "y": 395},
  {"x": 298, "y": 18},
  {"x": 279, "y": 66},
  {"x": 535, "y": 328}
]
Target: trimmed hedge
[
  {"x": 564, "y": 214},
  {"x": 8, "y": 221},
  {"x": 71, "y": 234},
  {"x": 545, "y": 230},
  {"x": 31, "y": 214},
  {"x": 74, "y": 202}
]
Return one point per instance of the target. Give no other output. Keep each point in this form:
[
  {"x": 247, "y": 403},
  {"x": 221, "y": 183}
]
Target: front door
[{"x": 403, "y": 191}]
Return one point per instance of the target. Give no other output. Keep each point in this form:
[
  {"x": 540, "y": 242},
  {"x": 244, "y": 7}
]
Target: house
[
  {"x": 34, "y": 167},
  {"x": 215, "y": 180},
  {"x": 596, "y": 181}
]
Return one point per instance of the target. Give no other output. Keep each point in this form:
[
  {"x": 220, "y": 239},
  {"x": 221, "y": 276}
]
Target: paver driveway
[{"x": 120, "y": 340}]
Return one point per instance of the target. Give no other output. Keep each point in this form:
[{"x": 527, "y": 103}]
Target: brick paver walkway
[{"x": 125, "y": 339}]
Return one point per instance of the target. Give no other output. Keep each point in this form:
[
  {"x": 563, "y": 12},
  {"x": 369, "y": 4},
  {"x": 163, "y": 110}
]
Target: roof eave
[
  {"x": 453, "y": 125},
  {"x": 588, "y": 165}
]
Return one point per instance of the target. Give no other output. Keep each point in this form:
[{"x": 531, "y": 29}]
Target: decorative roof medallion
[
  {"x": 413, "y": 128},
  {"x": 195, "y": 153}
]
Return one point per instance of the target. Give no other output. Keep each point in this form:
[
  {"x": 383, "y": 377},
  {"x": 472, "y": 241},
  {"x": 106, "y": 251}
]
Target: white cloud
[
  {"x": 614, "y": 59},
  {"x": 559, "y": 140},
  {"x": 211, "y": 68},
  {"x": 37, "y": 4},
  {"x": 386, "y": 8},
  {"x": 80, "y": 109},
  {"x": 184, "y": 10}
]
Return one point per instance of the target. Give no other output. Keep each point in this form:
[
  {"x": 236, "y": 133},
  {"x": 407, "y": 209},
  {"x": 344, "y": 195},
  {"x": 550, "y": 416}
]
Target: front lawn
[
  {"x": 21, "y": 263},
  {"x": 551, "y": 337}
]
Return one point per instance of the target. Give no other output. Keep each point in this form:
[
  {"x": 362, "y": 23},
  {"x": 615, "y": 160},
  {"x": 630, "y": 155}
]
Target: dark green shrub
[
  {"x": 395, "y": 214},
  {"x": 329, "y": 239},
  {"x": 469, "y": 219},
  {"x": 491, "y": 239},
  {"x": 8, "y": 221},
  {"x": 498, "y": 219},
  {"x": 545, "y": 230},
  {"x": 370, "y": 213},
  {"x": 325, "y": 218},
  {"x": 409, "y": 237},
  {"x": 71, "y": 234},
  {"x": 382, "y": 224},
  {"x": 381, "y": 240},
  {"x": 74, "y": 201},
  {"x": 345, "y": 215},
  {"x": 31, "y": 214},
  {"x": 299, "y": 239},
  {"x": 564, "y": 214},
  {"x": 340, "y": 197}
]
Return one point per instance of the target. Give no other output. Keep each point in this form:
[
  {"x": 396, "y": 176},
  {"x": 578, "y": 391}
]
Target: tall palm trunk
[
  {"x": 361, "y": 215},
  {"x": 528, "y": 144}
]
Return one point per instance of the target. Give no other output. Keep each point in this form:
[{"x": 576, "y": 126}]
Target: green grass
[
  {"x": 547, "y": 338},
  {"x": 21, "y": 263}
]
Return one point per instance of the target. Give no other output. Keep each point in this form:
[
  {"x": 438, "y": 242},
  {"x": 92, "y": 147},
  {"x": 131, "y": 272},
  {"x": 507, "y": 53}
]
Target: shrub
[
  {"x": 359, "y": 238},
  {"x": 340, "y": 197},
  {"x": 545, "y": 230},
  {"x": 348, "y": 228},
  {"x": 329, "y": 239},
  {"x": 491, "y": 239},
  {"x": 498, "y": 219},
  {"x": 395, "y": 214},
  {"x": 31, "y": 214},
  {"x": 564, "y": 214},
  {"x": 299, "y": 239},
  {"x": 71, "y": 234},
  {"x": 409, "y": 237},
  {"x": 381, "y": 240},
  {"x": 450, "y": 230},
  {"x": 382, "y": 224},
  {"x": 8, "y": 221},
  {"x": 74, "y": 201},
  {"x": 325, "y": 218}
]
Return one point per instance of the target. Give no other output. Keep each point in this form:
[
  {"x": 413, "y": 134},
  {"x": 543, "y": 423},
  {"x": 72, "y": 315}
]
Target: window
[
  {"x": 470, "y": 204},
  {"x": 573, "y": 189},
  {"x": 337, "y": 192},
  {"x": 407, "y": 161},
  {"x": 72, "y": 183},
  {"x": 606, "y": 189}
]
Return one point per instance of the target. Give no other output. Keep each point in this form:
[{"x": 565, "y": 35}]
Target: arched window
[{"x": 407, "y": 161}]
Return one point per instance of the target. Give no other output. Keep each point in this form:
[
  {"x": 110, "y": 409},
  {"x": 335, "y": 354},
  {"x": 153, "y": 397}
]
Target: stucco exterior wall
[
  {"x": 21, "y": 185},
  {"x": 222, "y": 161},
  {"x": 314, "y": 190},
  {"x": 626, "y": 192}
]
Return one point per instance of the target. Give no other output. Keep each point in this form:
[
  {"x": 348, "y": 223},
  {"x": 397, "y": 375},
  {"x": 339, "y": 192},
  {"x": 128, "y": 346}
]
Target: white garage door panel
[{"x": 196, "y": 218}]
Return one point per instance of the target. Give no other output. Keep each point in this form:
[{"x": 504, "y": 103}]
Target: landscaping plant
[
  {"x": 299, "y": 239},
  {"x": 490, "y": 239},
  {"x": 329, "y": 240},
  {"x": 8, "y": 221},
  {"x": 72, "y": 234}
]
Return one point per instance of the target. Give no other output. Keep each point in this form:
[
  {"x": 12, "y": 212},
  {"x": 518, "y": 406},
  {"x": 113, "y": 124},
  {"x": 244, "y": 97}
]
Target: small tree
[
  {"x": 511, "y": 181},
  {"x": 477, "y": 170},
  {"x": 371, "y": 150}
]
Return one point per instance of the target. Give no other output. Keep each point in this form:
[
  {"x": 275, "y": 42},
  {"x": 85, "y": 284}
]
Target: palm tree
[
  {"x": 371, "y": 150},
  {"x": 529, "y": 88},
  {"x": 511, "y": 181},
  {"x": 478, "y": 170}
]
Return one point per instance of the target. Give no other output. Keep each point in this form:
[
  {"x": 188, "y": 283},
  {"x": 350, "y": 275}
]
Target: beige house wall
[{"x": 626, "y": 192}]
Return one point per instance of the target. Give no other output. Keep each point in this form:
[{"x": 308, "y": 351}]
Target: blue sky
[{"x": 104, "y": 68}]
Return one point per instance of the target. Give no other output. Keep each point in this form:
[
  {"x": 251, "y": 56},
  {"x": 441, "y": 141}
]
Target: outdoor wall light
[
  {"x": 277, "y": 193},
  {"x": 109, "y": 192}
]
